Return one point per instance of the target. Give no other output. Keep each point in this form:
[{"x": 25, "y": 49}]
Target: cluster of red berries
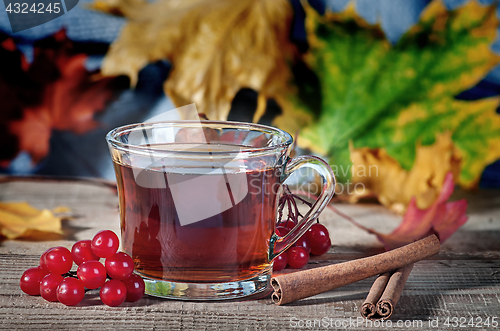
[
  {"x": 54, "y": 281},
  {"x": 315, "y": 241}
]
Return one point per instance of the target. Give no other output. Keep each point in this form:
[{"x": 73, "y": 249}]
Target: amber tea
[{"x": 228, "y": 246}]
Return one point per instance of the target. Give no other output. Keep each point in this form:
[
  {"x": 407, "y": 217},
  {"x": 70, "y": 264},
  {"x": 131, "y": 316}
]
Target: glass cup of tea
[{"x": 198, "y": 204}]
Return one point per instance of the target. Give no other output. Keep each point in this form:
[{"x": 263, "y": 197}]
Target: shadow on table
[
  {"x": 475, "y": 242},
  {"x": 92, "y": 299},
  {"x": 341, "y": 298}
]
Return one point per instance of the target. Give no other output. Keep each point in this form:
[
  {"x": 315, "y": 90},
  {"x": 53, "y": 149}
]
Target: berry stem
[
  {"x": 289, "y": 200},
  {"x": 71, "y": 274}
]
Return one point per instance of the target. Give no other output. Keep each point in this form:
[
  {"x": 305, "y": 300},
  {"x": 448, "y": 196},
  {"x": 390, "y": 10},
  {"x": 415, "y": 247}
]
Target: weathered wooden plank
[
  {"x": 435, "y": 289},
  {"x": 463, "y": 281}
]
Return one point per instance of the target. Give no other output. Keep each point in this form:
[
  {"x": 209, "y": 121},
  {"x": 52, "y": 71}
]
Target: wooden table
[{"x": 460, "y": 283}]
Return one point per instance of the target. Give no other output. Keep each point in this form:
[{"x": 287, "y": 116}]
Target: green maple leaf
[{"x": 378, "y": 95}]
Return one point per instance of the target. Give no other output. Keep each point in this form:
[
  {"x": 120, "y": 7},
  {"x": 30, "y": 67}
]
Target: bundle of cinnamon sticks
[
  {"x": 384, "y": 294},
  {"x": 386, "y": 290}
]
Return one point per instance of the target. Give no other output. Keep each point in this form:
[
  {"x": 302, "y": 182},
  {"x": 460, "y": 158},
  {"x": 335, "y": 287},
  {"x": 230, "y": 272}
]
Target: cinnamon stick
[
  {"x": 303, "y": 284},
  {"x": 385, "y": 293},
  {"x": 392, "y": 292},
  {"x": 369, "y": 307}
]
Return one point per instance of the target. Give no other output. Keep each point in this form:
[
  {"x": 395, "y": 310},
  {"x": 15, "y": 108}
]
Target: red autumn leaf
[
  {"x": 441, "y": 218},
  {"x": 55, "y": 91}
]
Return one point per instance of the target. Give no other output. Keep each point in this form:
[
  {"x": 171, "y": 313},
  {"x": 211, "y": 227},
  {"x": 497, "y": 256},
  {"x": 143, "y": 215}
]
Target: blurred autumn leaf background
[{"x": 400, "y": 96}]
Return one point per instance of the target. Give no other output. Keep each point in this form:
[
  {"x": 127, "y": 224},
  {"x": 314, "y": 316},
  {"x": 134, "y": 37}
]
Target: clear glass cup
[{"x": 198, "y": 204}]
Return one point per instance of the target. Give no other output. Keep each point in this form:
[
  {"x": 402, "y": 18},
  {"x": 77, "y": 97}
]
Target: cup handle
[{"x": 279, "y": 244}]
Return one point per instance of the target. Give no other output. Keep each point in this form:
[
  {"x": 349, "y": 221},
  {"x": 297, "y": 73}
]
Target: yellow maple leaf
[
  {"x": 215, "y": 47},
  {"x": 379, "y": 174},
  {"x": 20, "y": 219}
]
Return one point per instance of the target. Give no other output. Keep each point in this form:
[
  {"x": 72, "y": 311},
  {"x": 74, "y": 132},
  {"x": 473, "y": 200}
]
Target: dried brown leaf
[{"x": 216, "y": 48}]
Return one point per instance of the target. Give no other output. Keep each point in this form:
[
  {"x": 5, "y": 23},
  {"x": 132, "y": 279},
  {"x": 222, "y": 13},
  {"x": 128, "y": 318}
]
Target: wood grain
[{"x": 462, "y": 281}]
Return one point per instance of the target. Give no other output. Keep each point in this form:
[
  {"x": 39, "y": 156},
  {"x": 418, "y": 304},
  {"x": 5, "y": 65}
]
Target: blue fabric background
[{"x": 87, "y": 155}]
